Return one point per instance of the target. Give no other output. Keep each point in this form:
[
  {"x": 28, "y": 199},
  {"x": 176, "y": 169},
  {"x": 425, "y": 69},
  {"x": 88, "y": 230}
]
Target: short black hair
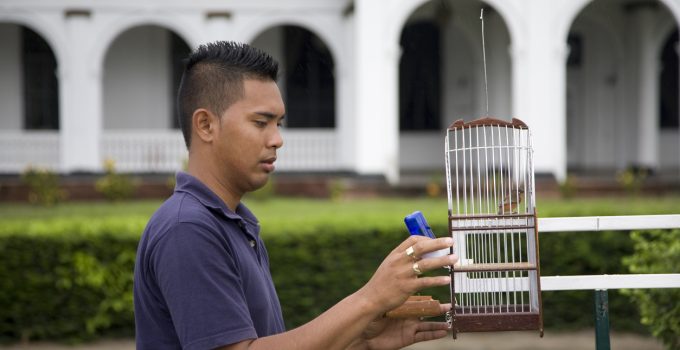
[{"x": 213, "y": 78}]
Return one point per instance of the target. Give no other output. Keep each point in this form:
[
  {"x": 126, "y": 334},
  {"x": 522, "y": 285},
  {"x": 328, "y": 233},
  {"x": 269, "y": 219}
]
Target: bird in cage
[{"x": 511, "y": 202}]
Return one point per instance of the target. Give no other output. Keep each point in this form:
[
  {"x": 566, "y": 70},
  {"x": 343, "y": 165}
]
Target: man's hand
[
  {"x": 396, "y": 333},
  {"x": 396, "y": 278}
]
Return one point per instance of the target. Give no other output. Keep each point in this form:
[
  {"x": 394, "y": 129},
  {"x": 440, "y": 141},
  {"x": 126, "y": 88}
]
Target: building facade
[{"x": 370, "y": 86}]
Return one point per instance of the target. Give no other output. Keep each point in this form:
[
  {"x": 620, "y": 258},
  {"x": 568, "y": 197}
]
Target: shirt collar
[{"x": 189, "y": 184}]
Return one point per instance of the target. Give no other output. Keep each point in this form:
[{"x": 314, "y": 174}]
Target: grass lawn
[{"x": 294, "y": 212}]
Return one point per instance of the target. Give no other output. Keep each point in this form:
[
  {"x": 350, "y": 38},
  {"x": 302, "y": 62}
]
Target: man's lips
[{"x": 268, "y": 164}]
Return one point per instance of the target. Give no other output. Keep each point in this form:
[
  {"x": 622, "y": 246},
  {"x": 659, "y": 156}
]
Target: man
[{"x": 202, "y": 276}]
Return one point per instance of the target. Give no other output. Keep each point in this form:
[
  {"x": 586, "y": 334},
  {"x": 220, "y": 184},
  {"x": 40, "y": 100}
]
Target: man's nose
[{"x": 275, "y": 139}]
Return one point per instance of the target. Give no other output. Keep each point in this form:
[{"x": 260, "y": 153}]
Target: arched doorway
[
  {"x": 308, "y": 86},
  {"x": 307, "y": 79},
  {"x": 29, "y": 96},
  {"x": 441, "y": 76},
  {"x": 142, "y": 70},
  {"x": 613, "y": 87}
]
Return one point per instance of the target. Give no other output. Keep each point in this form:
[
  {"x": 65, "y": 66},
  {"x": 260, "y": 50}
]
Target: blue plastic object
[{"x": 417, "y": 225}]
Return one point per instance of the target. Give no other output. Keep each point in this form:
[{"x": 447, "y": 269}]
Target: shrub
[
  {"x": 632, "y": 179},
  {"x": 66, "y": 279},
  {"x": 43, "y": 186},
  {"x": 567, "y": 187},
  {"x": 585, "y": 253},
  {"x": 657, "y": 252},
  {"x": 114, "y": 186},
  {"x": 71, "y": 279}
]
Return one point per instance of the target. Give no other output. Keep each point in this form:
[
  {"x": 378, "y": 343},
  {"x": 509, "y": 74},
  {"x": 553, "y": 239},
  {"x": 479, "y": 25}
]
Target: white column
[
  {"x": 376, "y": 117},
  {"x": 344, "y": 93},
  {"x": 80, "y": 99},
  {"x": 539, "y": 87},
  {"x": 643, "y": 18},
  {"x": 219, "y": 26}
]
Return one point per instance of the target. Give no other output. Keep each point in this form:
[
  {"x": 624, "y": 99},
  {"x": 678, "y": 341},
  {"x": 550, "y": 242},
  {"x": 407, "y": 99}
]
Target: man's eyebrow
[{"x": 270, "y": 116}]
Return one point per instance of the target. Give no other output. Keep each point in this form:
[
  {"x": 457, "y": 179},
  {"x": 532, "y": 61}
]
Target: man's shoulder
[
  {"x": 181, "y": 208},
  {"x": 182, "y": 212}
]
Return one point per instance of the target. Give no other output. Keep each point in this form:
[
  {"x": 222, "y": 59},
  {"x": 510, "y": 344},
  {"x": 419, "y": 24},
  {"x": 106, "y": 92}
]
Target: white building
[{"x": 370, "y": 85}]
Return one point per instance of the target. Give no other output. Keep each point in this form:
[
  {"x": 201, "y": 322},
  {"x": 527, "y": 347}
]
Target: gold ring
[
  {"x": 411, "y": 253},
  {"x": 416, "y": 269}
]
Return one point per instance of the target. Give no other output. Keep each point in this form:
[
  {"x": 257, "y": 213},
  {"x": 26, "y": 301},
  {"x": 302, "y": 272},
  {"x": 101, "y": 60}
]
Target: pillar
[
  {"x": 376, "y": 124},
  {"x": 81, "y": 110},
  {"x": 539, "y": 87},
  {"x": 642, "y": 18}
]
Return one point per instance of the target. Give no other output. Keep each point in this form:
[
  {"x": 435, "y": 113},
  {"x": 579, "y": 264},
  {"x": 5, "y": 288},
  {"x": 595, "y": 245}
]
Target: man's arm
[{"x": 393, "y": 282}]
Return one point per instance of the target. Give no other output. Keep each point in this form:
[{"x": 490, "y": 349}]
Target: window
[
  {"x": 419, "y": 77},
  {"x": 310, "y": 83},
  {"x": 41, "y": 89},
  {"x": 668, "y": 89}
]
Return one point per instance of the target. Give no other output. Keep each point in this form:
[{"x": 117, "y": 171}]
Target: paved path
[{"x": 467, "y": 341}]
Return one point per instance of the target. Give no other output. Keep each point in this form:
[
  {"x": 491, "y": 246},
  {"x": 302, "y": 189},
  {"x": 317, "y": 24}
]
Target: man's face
[{"x": 249, "y": 136}]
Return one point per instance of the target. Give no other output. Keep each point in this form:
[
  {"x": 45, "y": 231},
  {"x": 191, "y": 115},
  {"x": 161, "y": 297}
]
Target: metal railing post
[{"x": 601, "y": 320}]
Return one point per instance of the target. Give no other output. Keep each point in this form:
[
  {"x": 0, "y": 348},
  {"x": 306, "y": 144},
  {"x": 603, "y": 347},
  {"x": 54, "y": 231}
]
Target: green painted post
[{"x": 601, "y": 320}]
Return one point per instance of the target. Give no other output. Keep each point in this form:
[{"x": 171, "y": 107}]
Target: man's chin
[{"x": 260, "y": 182}]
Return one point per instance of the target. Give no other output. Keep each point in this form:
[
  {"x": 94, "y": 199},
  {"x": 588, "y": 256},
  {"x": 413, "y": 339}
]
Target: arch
[
  {"x": 574, "y": 8},
  {"x": 140, "y": 75},
  {"x": 124, "y": 23},
  {"x": 638, "y": 146},
  {"x": 52, "y": 34},
  {"x": 665, "y": 29},
  {"x": 32, "y": 74},
  {"x": 674, "y": 8},
  {"x": 403, "y": 9},
  {"x": 566, "y": 17},
  {"x": 307, "y": 80},
  {"x": 261, "y": 24}
]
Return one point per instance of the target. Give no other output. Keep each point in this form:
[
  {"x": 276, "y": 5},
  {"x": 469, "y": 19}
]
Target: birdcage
[{"x": 495, "y": 285}]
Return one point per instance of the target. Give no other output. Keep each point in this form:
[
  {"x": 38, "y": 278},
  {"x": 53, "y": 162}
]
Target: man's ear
[{"x": 204, "y": 124}]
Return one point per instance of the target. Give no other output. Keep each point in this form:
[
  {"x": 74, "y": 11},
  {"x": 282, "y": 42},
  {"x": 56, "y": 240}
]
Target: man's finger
[
  {"x": 429, "y": 335},
  {"x": 434, "y": 281},
  {"x": 438, "y": 262},
  {"x": 432, "y": 326}
]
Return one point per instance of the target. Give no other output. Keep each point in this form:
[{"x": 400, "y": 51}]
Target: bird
[{"x": 511, "y": 202}]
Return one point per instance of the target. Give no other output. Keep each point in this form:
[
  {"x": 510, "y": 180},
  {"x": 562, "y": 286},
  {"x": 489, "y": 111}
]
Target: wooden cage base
[{"x": 521, "y": 321}]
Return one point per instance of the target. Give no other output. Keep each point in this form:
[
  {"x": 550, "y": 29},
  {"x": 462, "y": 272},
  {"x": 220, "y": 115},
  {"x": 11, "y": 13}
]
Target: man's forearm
[{"x": 337, "y": 328}]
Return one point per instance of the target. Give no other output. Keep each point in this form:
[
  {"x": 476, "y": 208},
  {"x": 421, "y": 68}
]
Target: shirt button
[{"x": 252, "y": 244}]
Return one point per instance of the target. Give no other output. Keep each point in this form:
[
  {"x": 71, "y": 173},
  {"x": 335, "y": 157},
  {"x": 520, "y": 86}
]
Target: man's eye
[{"x": 260, "y": 123}]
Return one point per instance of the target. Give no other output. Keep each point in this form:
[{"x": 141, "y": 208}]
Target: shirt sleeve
[{"x": 199, "y": 280}]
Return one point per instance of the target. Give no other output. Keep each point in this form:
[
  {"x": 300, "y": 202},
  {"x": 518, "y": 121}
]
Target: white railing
[
  {"x": 309, "y": 149},
  {"x": 598, "y": 283},
  {"x": 609, "y": 223},
  {"x": 144, "y": 150},
  {"x": 592, "y": 282},
  {"x": 601, "y": 283},
  {"x": 160, "y": 150},
  {"x": 21, "y": 149}
]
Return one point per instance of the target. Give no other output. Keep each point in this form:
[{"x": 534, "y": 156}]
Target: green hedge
[
  {"x": 71, "y": 280},
  {"x": 658, "y": 252},
  {"x": 65, "y": 279}
]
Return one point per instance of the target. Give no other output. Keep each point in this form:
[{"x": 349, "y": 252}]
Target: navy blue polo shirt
[{"x": 202, "y": 275}]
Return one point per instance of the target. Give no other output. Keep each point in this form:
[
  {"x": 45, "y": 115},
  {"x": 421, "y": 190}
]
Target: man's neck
[{"x": 216, "y": 184}]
